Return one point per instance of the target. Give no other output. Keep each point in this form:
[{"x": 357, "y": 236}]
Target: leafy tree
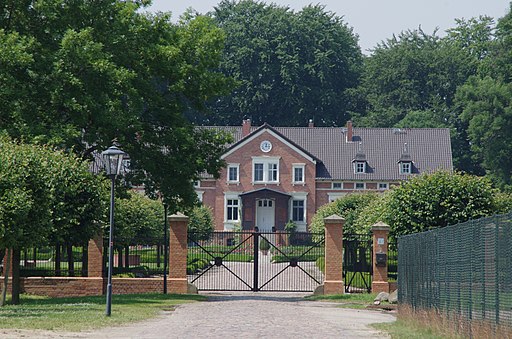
[
  {"x": 289, "y": 66},
  {"x": 80, "y": 74},
  {"x": 138, "y": 219},
  {"x": 411, "y": 81},
  {"x": 200, "y": 225},
  {"x": 430, "y": 201},
  {"x": 44, "y": 195},
  {"x": 487, "y": 110},
  {"x": 348, "y": 207}
]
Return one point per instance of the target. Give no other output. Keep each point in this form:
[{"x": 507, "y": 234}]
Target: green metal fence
[{"x": 462, "y": 271}]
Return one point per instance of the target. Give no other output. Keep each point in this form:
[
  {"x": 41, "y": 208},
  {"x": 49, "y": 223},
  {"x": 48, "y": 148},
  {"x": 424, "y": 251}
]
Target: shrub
[
  {"x": 347, "y": 207},
  {"x": 200, "y": 225},
  {"x": 320, "y": 263},
  {"x": 264, "y": 244}
]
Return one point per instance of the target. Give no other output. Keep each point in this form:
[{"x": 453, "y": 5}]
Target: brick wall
[{"x": 82, "y": 287}]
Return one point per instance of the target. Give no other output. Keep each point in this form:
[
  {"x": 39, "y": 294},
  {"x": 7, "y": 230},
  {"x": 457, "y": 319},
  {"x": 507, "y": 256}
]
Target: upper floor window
[
  {"x": 337, "y": 185},
  {"x": 233, "y": 170},
  {"x": 405, "y": 167},
  {"x": 360, "y": 186},
  {"x": 359, "y": 167},
  {"x": 265, "y": 170},
  {"x": 197, "y": 183},
  {"x": 298, "y": 173},
  {"x": 383, "y": 186}
]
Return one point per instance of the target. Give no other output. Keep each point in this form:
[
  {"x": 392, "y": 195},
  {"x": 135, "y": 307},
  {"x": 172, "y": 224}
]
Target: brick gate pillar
[
  {"x": 95, "y": 257},
  {"x": 178, "y": 253},
  {"x": 333, "y": 283},
  {"x": 380, "y": 257}
]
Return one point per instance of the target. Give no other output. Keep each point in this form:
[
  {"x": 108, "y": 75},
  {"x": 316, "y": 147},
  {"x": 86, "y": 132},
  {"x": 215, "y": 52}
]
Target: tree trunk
[
  {"x": 71, "y": 260},
  {"x": 7, "y": 265},
  {"x": 158, "y": 254},
  {"x": 119, "y": 257},
  {"x": 57, "y": 260},
  {"x": 127, "y": 256},
  {"x": 16, "y": 254},
  {"x": 85, "y": 260},
  {"x": 35, "y": 257}
]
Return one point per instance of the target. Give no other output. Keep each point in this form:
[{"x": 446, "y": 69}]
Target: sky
[{"x": 374, "y": 20}]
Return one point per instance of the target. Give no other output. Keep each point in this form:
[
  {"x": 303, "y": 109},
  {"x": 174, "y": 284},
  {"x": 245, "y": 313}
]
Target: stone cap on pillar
[
  {"x": 380, "y": 226},
  {"x": 334, "y": 219},
  {"x": 178, "y": 217}
]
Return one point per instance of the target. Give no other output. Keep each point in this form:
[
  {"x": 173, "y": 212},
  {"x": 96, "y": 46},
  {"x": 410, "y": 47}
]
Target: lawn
[{"x": 85, "y": 313}]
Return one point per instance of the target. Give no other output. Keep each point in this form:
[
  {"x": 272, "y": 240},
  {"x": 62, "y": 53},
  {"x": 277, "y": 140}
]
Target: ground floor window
[
  {"x": 232, "y": 206},
  {"x": 298, "y": 210}
]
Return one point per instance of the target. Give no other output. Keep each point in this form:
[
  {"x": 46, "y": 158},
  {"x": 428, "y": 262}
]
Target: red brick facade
[{"x": 246, "y": 193}]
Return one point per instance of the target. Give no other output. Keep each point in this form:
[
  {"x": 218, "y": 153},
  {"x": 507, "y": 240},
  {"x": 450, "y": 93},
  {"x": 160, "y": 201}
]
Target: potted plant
[{"x": 264, "y": 246}]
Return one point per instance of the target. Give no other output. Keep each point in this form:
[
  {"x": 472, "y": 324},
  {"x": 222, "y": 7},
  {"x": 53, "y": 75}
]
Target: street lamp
[{"x": 113, "y": 160}]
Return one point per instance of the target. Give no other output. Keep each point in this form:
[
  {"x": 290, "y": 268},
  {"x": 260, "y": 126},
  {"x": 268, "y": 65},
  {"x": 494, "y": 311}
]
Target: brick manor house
[{"x": 277, "y": 174}]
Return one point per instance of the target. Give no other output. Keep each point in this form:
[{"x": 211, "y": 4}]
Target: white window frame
[
  {"x": 301, "y": 167},
  {"x": 267, "y": 162},
  {"x": 358, "y": 189},
  {"x": 301, "y": 225},
  {"x": 303, "y": 207},
  {"x": 405, "y": 165},
  {"x": 335, "y": 196},
  {"x": 358, "y": 169},
  {"x": 336, "y": 183},
  {"x": 235, "y": 197},
  {"x": 382, "y": 188},
  {"x": 197, "y": 183},
  {"x": 229, "y": 167},
  {"x": 200, "y": 195}
]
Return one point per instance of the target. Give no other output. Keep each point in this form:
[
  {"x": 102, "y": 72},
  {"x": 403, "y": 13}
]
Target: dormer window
[
  {"x": 359, "y": 160},
  {"x": 405, "y": 167},
  {"x": 405, "y": 161},
  {"x": 360, "y": 167}
]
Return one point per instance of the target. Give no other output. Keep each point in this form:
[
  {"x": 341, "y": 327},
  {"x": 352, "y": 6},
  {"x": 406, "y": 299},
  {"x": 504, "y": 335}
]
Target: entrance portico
[{"x": 266, "y": 209}]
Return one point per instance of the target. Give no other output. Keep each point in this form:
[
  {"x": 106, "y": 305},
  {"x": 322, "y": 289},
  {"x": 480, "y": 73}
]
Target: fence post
[
  {"x": 178, "y": 254},
  {"x": 380, "y": 257},
  {"x": 333, "y": 283},
  {"x": 95, "y": 257}
]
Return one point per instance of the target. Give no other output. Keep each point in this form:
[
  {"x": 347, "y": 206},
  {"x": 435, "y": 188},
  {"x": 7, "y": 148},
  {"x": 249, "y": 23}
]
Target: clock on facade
[{"x": 266, "y": 146}]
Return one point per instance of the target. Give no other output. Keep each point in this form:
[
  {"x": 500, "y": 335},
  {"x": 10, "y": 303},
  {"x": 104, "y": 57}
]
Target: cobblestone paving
[{"x": 242, "y": 315}]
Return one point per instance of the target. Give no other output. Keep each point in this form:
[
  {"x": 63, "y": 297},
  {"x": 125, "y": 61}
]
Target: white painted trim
[
  {"x": 233, "y": 165},
  {"x": 303, "y": 167},
  {"x": 332, "y": 196},
  {"x": 275, "y": 135}
]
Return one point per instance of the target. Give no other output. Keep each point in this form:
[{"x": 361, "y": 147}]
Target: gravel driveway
[{"x": 244, "y": 315}]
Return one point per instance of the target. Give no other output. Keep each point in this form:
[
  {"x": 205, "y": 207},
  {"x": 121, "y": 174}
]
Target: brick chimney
[
  {"x": 350, "y": 133},
  {"x": 311, "y": 123},
  {"x": 246, "y": 127}
]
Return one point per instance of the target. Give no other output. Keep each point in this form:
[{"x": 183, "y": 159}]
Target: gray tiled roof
[{"x": 428, "y": 148}]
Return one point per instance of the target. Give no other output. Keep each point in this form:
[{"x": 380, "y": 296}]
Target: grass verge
[
  {"x": 356, "y": 300},
  {"x": 401, "y": 329},
  {"x": 85, "y": 313}
]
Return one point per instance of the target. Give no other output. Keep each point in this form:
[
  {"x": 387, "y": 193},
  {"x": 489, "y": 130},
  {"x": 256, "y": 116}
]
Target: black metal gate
[
  {"x": 254, "y": 261},
  {"x": 357, "y": 263}
]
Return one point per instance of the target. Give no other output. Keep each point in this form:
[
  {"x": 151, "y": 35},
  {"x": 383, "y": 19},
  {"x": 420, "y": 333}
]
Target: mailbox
[{"x": 381, "y": 259}]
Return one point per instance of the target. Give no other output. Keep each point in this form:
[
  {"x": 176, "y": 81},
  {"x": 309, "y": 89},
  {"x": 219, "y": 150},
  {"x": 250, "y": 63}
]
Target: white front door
[{"x": 265, "y": 215}]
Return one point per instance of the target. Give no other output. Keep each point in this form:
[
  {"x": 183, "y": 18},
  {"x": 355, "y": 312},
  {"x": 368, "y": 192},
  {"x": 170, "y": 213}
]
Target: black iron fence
[
  {"x": 392, "y": 260},
  {"x": 254, "y": 261},
  {"x": 462, "y": 271},
  {"x": 137, "y": 259},
  {"x": 357, "y": 262},
  {"x": 54, "y": 261}
]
